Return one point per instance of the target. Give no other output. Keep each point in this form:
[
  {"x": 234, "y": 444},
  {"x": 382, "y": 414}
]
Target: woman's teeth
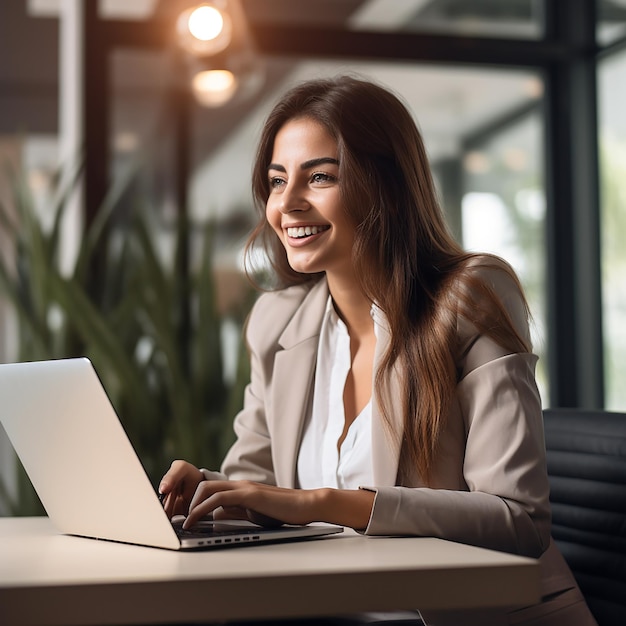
[{"x": 305, "y": 231}]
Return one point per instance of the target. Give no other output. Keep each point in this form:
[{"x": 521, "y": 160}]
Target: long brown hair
[{"x": 405, "y": 257}]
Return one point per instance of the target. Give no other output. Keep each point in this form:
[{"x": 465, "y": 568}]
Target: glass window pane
[
  {"x": 141, "y": 126},
  {"x": 515, "y": 19},
  {"x": 612, "y": 139},
  {"x": 503, "y": 210},
  {"x": 611, "y": 24}
]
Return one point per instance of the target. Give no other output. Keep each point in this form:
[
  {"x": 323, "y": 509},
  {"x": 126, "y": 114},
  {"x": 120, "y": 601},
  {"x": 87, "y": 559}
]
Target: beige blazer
[{"x": 489, "y": 485}]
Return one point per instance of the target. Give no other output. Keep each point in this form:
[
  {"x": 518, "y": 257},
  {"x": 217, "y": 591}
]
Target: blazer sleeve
[{"x": 501, "y": 501}]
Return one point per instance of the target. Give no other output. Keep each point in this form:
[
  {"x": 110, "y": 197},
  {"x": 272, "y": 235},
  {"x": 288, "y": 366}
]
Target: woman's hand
[
  {"x": 179, "y": 486},
  {"x": 269, "y": 505}
]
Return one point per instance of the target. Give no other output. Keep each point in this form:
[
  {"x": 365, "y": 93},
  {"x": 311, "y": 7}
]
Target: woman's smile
[{"x": 304, "y": 235}]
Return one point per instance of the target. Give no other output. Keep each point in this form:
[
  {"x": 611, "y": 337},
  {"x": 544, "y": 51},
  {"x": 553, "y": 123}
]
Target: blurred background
[{"x": 127, "y": 134}]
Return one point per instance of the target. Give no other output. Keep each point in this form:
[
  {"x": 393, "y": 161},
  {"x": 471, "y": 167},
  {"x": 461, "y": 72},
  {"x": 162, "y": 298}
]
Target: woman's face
[{"x": 304, "y": 206}]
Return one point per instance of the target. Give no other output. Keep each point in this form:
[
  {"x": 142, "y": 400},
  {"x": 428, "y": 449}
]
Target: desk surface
[{"x": 47, "y": 578}]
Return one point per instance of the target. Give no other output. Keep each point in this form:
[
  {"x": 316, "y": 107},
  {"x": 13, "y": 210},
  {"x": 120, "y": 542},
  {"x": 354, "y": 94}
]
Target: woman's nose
[{"x": 293, "y": 199}]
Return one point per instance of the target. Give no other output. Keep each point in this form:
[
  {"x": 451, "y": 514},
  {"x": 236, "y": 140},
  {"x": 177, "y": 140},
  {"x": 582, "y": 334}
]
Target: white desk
[{"x": 47, "y": 578}]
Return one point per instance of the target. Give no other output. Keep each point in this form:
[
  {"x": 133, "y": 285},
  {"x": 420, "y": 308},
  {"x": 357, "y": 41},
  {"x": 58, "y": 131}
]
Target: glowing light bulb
[
  {"x": 205, "y": 23},
  {"x": 214, "y": 88},
  {"x": 205, "y": 30}
]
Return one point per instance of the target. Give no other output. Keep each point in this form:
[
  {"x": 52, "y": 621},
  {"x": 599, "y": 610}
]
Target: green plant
[{"x": 150, "y": 325}]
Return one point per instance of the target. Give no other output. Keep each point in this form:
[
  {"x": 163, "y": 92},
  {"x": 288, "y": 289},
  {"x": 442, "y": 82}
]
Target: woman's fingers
[
  {"x": 204, "y": 501},
  {"x": 270, "y": 505},
  {"x": 174, "y": 476},
  {"x": 186, "y": 492},
  {"x": 230, "y": 512},
  {"x": 178, "y": 486}
]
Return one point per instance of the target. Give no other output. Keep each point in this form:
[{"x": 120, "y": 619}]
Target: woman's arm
[
  {"x": 268, "y": 504},
  {"x": 500, "y": 500},
  {"x": 490, "y": 477}
]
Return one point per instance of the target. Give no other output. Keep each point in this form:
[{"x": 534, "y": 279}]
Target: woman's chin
[{"x": 304, "y": 267}]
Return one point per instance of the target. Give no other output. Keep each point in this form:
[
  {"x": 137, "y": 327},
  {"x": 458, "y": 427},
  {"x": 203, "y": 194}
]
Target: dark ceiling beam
[
  {"x": 308, "y": 41},
  {"x": 286, "y": 39},
  {"x": 316, "y": 42}
]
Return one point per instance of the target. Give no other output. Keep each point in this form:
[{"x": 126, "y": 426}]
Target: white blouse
[{"x": 320, "y": 463}]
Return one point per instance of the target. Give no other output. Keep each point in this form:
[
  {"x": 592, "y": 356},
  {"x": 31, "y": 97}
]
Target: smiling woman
[{"x": 392, "y": 379}]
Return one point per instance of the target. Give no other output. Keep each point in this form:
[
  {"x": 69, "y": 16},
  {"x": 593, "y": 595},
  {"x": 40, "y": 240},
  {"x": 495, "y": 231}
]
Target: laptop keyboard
[{"x": 214, "y": 529}]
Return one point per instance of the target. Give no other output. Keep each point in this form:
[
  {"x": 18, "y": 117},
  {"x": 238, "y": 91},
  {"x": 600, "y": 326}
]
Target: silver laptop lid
[{"x": 77, "y": 455}]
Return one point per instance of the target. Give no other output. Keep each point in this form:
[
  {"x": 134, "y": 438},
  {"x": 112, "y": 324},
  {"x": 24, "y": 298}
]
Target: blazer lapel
[{"x": 292, "y": 388}]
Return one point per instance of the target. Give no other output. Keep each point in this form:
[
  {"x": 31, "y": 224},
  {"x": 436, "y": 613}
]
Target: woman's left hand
[
  {"x": 269, "y": 505},
  {"x": 256, "y": 501}
]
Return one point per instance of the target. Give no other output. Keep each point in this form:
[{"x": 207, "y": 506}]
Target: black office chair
[{"x": 587, "y": 470}]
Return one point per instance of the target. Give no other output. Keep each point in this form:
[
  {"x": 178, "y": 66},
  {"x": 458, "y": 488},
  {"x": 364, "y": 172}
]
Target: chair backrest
[{"x": 586, "y": 453}]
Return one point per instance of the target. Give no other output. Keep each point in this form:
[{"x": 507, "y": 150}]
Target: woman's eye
[
  {"x": 321, "y": 177},
  {"x": 276, "y": 181}
]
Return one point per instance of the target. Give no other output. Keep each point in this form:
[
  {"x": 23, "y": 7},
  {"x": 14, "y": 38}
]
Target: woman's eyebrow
[
  {"x": 320, "y": 161},
  {"x": 277, "y": 167},
  {"x": 306, "y": 165}
]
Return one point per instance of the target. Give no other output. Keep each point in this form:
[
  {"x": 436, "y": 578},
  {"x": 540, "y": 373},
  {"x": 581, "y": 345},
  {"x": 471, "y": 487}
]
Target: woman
[{"x": 392, "y": 380}]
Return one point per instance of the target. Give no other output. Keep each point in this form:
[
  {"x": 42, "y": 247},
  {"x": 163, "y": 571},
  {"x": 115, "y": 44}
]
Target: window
[
  {"x": 612, "y": 148},
  {"x": 611, "y": 24},
  {"x": 503, "y": 211},
  {"x": 515, "y": 19}
]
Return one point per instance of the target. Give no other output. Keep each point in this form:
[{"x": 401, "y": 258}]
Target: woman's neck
[{"x": 352, "y": 306}]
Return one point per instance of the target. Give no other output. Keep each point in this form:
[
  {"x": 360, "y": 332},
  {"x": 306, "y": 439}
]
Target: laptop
[{"x": 85, "y": 471}]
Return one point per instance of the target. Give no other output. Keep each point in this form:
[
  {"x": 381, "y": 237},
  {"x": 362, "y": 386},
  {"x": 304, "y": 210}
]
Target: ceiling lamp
[
  {"x": 206, "y": 29},
  {"x": 214, "y": 88},
  {"x": 223, "y": 67}
]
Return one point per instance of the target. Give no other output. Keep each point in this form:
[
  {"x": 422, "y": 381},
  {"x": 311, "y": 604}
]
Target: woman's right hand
[{"x": 179, "y": 486}]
